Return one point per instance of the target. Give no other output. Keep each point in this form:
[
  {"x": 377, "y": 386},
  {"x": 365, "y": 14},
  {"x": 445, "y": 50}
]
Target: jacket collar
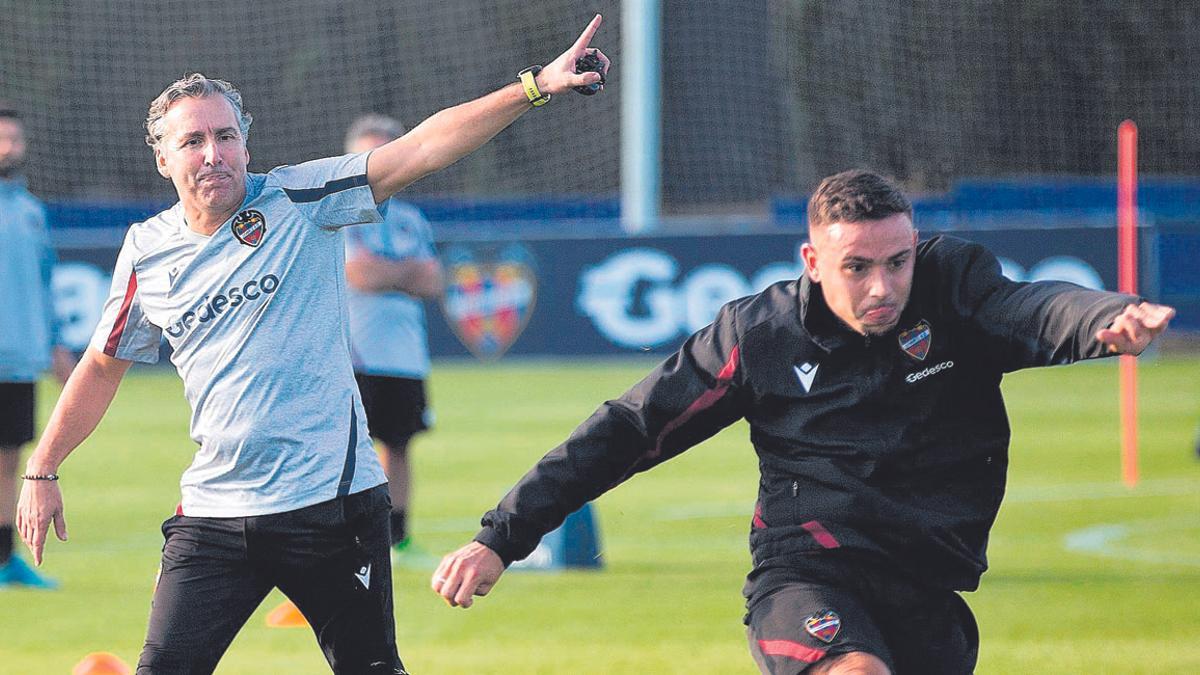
[
  {"x": 829, "y": 332},
  {"x": 823, "y": 328}
]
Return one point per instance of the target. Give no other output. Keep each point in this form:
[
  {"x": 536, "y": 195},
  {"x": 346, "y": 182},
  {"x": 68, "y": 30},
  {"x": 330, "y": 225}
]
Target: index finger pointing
[{"x": 585, "y": 38}]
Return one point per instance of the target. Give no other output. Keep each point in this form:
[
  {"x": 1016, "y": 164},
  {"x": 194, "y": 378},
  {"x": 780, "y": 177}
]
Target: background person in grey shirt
[
  {"x": 245, "y": 279},
  {"x": 391, "y": 267},
  {"x": 29, "y": 339}
]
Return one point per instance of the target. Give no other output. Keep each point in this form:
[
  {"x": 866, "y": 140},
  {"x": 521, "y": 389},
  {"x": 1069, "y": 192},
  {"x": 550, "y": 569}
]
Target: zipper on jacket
[{"x": 795, "y": 488}]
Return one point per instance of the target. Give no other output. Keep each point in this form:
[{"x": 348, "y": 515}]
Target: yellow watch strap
[{"x": 529, "y": 84}]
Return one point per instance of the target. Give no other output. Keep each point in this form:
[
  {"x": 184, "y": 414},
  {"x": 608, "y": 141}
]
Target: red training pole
[{"x": 1127, "y": 283}]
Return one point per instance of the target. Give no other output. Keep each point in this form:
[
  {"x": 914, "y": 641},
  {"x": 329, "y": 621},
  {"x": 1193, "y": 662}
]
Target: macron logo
[
  {"x": 806, "y": 373},
  {"x": 364, "y": 576}
]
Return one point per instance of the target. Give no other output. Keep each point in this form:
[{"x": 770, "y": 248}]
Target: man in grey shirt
[{"x": 245, "y": 279}]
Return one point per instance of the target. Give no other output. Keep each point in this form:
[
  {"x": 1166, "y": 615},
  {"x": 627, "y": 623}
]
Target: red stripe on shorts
[{"x": 792, "y": 650}]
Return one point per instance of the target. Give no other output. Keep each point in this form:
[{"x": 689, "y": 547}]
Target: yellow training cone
[
  {"x": 286, "y": 615},
  {"x": 101, "y": 663}
]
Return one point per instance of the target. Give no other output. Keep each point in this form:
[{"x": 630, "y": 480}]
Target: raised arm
[
  {"x": 451, "y": 134},
  {"x": 1043, "y": 323},
  {"x": 84, "y": 400}
]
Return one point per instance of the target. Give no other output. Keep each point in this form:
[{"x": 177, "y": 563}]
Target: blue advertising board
[{"x": 627, "y": 295}]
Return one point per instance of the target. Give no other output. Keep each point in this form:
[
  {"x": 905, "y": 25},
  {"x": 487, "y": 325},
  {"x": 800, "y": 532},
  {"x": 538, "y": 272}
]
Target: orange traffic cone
[
  {"x": 286, "y": 615},
  {"x": 101, "y": 663}
]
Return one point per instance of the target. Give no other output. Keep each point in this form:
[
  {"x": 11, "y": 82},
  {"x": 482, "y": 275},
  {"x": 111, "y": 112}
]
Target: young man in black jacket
[{"x": 872, "y": 389}]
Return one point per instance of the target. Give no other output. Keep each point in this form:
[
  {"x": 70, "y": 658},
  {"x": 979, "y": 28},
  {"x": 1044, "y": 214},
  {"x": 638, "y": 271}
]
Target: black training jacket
[{"x": 894, "y": 445}]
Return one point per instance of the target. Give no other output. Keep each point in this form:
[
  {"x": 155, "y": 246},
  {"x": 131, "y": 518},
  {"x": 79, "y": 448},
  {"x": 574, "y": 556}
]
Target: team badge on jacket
[
  {"x": 249, "y": 227},
  {"x": 916, "y": 340},
  {"x": 823, "y": 625}
]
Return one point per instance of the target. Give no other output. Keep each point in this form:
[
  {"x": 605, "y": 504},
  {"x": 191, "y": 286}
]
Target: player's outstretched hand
[
  {"x": 1135, "y": 328},
  {"x": 471, "y": 570},
  {"x": 559, "y": 75},
  {"x": 40, "y": 503}
]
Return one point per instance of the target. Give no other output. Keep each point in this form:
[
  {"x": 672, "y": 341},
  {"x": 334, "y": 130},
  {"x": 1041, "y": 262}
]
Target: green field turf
[{"x": 1087, "y": 576}]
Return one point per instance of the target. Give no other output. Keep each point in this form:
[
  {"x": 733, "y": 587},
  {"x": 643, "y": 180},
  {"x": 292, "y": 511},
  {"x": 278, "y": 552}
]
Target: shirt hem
[{"x": 249, "y": 511}]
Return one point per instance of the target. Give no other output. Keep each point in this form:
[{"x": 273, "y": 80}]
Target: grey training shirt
[{"x": 256, "y": 317}]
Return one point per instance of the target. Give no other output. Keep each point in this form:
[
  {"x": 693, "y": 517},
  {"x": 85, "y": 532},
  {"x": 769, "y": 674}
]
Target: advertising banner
[
  {"x": 635, "y": 295},
  {"x": 618, "y": 295}
]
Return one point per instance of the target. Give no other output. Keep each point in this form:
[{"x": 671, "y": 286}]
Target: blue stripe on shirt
[
  {"x": 351, "y": 448},
  {"x": 307, "y": 195}
]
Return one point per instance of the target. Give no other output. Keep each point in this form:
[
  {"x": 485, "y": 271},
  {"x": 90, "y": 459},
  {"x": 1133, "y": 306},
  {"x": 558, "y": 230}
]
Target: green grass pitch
[{"x": 1087, "y": 576}]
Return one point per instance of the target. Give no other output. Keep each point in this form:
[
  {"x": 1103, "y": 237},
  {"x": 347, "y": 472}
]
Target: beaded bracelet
[{"x": 39, "y": 476}]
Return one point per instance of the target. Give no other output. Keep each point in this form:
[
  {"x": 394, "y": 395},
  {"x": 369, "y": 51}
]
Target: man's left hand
[
  {"x": 559, "y": 75},
  {"x": 1135, "y": 328}
]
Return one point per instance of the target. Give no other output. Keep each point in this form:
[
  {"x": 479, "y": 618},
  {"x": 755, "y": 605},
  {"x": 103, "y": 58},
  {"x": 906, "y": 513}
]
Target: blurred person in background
[
  {"x": 29, "y": 337},
  {"x": 872, "y": 389},
  {"x": 391, "y": 267},
  {"x": 245, "y": 279}
]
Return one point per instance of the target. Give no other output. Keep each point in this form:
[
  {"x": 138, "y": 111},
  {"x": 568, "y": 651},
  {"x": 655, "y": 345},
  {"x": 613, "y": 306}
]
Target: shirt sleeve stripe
[
  {"x": 706, "y": 400},
  {"x": 118, "y": 329},
  {"x": 307, "y": 195}
]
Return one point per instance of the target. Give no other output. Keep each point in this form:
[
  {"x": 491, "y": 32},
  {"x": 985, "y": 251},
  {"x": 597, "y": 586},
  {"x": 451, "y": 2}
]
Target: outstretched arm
[
  {"x": 84, "y": 400},
  {"x": 687, "y": 399},
  {"x": 451, "y": 134}
]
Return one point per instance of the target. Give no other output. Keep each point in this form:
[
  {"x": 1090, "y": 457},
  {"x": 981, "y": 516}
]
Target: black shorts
[
  {"x": 396, "y": 407},
  {"x": 797, "y": 618},
  {"x": 331, "y": 559},
  {"x": 17, "y": 404}
]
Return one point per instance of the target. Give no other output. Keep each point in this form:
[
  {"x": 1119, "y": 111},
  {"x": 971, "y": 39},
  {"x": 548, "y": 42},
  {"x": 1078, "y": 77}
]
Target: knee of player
[{"x": 853, "y": 663}]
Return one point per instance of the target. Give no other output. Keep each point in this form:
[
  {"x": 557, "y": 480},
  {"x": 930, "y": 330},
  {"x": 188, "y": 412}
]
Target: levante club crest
[
  {"x": 823, "y": 625},
  {"x": 249, "y": 227},
  {"x": 489, "y": 297},
  {"x": 916, "y": 340}
]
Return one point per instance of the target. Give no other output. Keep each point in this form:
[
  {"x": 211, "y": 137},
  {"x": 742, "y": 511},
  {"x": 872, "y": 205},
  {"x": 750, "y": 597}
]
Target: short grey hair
[
  {"x": 194, "y": 85},
  {"x": 374, "y": 125}
]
